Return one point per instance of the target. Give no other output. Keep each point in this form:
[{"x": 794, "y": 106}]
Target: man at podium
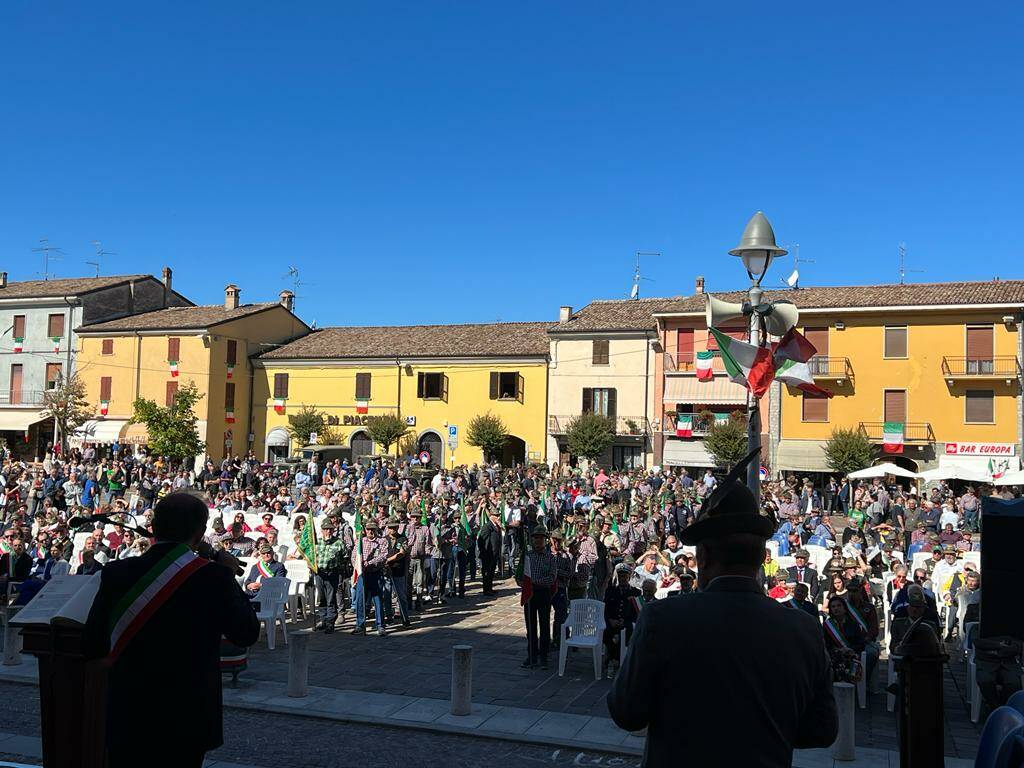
[{"x": 157, "y": 621}]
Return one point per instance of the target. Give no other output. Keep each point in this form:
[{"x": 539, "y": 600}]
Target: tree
[
  {"x": 726, "y": 441},
  {"x": 386, "y": 430},
  {"x": 589, "y": 435},
  {"x": 67, "y": 405},
  {"x": 172, "y": 429},
  {"x": 848, "y": 450},
  {"x": 488, "y": 433},
  {"x": 307, "y": 421}
]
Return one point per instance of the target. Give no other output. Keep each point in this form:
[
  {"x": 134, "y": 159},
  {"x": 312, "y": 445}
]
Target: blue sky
[{"x": 457, "y": 162}]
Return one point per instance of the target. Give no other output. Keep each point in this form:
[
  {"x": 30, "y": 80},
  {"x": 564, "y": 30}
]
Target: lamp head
[{"x": 757, "y": 247}]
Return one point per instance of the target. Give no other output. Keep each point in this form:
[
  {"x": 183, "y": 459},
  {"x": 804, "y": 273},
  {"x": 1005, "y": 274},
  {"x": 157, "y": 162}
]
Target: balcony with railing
[
  {"x": 700, "y": 426},
  {"x": 686, "y": 362},
  {"x": 830, "y": 368},
  {"x": 635, "y": 426},
  {"x": 20, "y": 398},
  {"x": 913, "y": 432},
  {"x": 1005, "y": 367}
]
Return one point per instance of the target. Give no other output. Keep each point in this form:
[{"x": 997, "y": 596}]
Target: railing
[
  {"x": 913, "y": 432},
  {"x": 22, "y": 397},
  {"x": 624, "y": 425},
  {"x": 700, "y": 426},
  {"x": 830, "y": 367},
  {"x": 1001, "y": 367}
]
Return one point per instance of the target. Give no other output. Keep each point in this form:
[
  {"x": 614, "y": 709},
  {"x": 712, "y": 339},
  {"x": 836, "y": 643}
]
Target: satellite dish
[
  {"x": 793, "y": 279},
  {"x": 636, "y": 290}
]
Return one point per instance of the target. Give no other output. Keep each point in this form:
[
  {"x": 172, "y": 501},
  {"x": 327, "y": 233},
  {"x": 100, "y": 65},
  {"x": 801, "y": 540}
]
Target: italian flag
[
  {"x": 279, "y": 405},
  {"x": 997, "y": 469},
  {"x": 229, "y": 417},
  {"x": 684, "y": 425},
  {"x": 104, "y": 407},
  {"x": 892, "y": 437},
  {"x": 362, "y": 406},
  {"x": 798, "y": 375},
  {"x": 231, "y": 371},
  {"x": 465, "y": 530},
  {"x": 19, "y": 343},
  {"x": 746, "y": 364},
  {"x": 56, "y": 343},
  {"x": 174, "y": 367},
  {"x": 704, "y": 371}
]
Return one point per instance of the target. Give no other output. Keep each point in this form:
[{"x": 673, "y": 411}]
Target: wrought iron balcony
[
  {"x": 624, "y": 425},
  {"x": 700, "y": 426},
  {"x": 913, "y": 432},
  {"x": 976, "y": 368},
  {"x": 830, "y": 368},
  {"x": 686, "y": 362},
  {"x": 17, "y": 398}
]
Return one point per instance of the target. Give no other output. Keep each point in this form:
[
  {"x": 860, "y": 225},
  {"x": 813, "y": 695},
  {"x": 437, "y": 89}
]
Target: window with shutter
[
  {"x": 280, "y": 385},
  {"x": 495, "y": 386},
  {"x": 174, "y": 349},
  {"x": 895, "y": 406},
  {"x": 980, "y": 346},
  {"x": 611, "y": 410},
  {"x": 107, "y": 347},
  {"x": 53, "y": 374},
  {"x": 229, "y": 396},
  {"x": 433, "y": 386},
  {"x": 895, "y": 342},
  {"x": 588, "y": 400},
  {"x": 419, "y": 384},
  {"x": 232, "y": 352},
  {"x": 170, "y": 393},
  {"x": 600, "y": 356},
  {"x": 444, "y": 387},
  {"x": 19, "y": 327},
  {"x": 105, "y": 386},
  {"x": 738, "y": 332},
  {"x": 362, "y": 386},
  {"x": 16, "y": 382},
  {"x": 979, "y": 407},
  {"x": 55, "y": 326},
  {"x": 814, "y": 408},
  {"x": 684, "y": 349}
]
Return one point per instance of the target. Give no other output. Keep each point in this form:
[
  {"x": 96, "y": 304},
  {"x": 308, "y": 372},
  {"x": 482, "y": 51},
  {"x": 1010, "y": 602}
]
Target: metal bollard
[
  {"x": 462, "y": 679},
  {"x": 920, "y": 711},
  {"x": 12, "y": 642},
  {"x": 846, "y": 707},
  {"x": 298, "y": 663}
]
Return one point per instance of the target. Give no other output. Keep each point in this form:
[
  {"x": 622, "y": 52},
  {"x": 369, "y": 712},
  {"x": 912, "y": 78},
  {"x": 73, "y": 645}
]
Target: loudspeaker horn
[
  {"x": 718, "y": 312},
  {"x": 784, "y": 316}
]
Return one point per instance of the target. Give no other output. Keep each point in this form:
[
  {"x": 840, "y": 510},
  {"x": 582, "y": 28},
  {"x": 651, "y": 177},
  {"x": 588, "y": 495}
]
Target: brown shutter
[
  {"x": 444, "y": 387},
  {"x": 232, "y": 352},
  {"x": 588, "y": 400},
  {"x": 16, "y": 381},
  {"x": 105, "y": 384},
  {"x": 170, "y": 392},
  {"x": 53, "y": 372},
  {"x": 895, "y": 406},
  {"x": 684, "y": 349},
  {"x": 55, "y": 326},
  {"x": 612, "y": 403},
  {"x": 600, "y": 356},
  {"x": 520, "y": 386},
  {"x": 229, "y": 396},
  {"x": 173, "y": 348},
  {"x": 107, "y": 347},
  {"x": 980, "y": 407},
  {"x": 19, "y": 327},
  {"x": 419, "y": 384},
  {"x": 979, "y": 343},
  {"x": 819, "y": 339},
  {"x": 280, "y": 385},
  {"x": 814, "y": 408},
  {"x": 362, "y": 386},
  {"x": 896, "y": 341},
  {"x": 495, "y": 378}
]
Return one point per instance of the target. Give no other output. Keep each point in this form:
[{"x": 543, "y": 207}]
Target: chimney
[
  {"x": 699, "y": 287},
  {"x": 167, "y": 278},
  {"x": 3, "y": 279},
  {"x": 231, "y": 296},
  {"x": 564, "y": 314},
  {"x": 288, "y": 300}
]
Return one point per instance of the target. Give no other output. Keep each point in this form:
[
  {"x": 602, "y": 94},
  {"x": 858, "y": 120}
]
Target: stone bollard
[
  {"x": 845, "y": 694},
  {"x": 12, "y": 644},
  {"x": 298, "y": 663},
  {"x": 462, "y": 679}
]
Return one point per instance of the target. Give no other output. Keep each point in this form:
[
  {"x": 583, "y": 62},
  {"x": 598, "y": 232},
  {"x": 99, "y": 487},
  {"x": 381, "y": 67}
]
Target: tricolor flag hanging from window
[
  {"x": 19, "y": 343},
  {"x": 174, "y": 367},
  {"x": 229, "y": 417},
  {"x": 56, "y": 343},
  {"x": 684, "y": 425},
  {"x": 704, "y": 370},
  {"x": 279, "y": 405},
  {"x": 231, "y": 371},
  {"x": 362, "y": 406},
  {"x": 892, "y": 437},
  {"x": 104, "y": 407},
  {"x": 746, "y": 364}
]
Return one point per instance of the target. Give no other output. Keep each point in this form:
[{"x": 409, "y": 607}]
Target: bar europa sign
[{"x": 980, "y": 449}]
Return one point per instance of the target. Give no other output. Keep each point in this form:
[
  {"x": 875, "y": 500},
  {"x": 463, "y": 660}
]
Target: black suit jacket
[
  {"x": 811, "y": 579},
  {"x": 171, "y": 669},
  {"x": 760, "y": 668}
]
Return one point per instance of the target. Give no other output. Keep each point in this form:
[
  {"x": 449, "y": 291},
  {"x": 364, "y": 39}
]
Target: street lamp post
[{"x": 757, "y": 248}]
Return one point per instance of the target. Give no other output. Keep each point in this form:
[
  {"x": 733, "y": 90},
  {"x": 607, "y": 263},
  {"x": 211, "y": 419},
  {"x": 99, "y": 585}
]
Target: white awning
[
  {"x": 718, "y": 391},
  {"x": 97, "y": 432},
  {"x": 278, "y": 437},
  {"x": 978, "y": 469},
  {"x": 18, "y": 420},
  {"x": 801, "y": 455},
  {"x": 686, "y": 453}
]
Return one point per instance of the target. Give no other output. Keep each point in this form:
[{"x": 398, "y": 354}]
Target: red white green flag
[
  {"x": 174, "y": 367},
  {"x": 229, "y": 417},
  {"x": 231, "y": 371},
  {"x": 684, "y": 425},
  {"x": 746, "y": 364},
  {"x": 892, "y": 437},
  {"x": 362, "y": 406},
  {"x": 19, "y": 343},
  {"x": 56, "y": 343},
  {"x": 798, "y": 375},
  {"x": 279, "y": 405},
  {"x": 104, "y": 407},
  {"x": 704, "y": 370}
]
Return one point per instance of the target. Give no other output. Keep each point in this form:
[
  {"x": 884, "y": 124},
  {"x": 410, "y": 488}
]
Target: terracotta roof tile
[
  {"x": 617, "y": 315},
  {"x": 68, "y": 286},
  {"x": 471, "y": 340},
  {"x": 177, "y": 318}
]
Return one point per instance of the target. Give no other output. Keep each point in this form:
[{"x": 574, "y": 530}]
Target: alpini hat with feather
[{"x": 731, "y": 508}]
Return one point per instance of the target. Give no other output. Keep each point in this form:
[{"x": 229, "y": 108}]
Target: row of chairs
[
  {"x": 584, "y": 628},
  {"x": 1002, "y": 738}
]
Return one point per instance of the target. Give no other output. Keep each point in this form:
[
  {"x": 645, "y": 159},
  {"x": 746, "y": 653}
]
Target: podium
[{"x": 72, "y": 696}]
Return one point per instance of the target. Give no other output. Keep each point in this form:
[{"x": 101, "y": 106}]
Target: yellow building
[
  {"x": 940, "y": 359},
  {"x": 152, "y": 354},
  {"x": 436, "y": 377}
]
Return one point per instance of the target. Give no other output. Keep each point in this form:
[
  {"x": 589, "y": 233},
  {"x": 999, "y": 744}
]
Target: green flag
[
  {"x": 424, "y": 521},
  {"x": 307, "y": 543},
  {"x": 464, "y": 527}
]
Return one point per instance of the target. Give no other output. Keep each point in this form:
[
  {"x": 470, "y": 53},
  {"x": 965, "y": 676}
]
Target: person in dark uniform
[
  {"x": 802, "y": 573},
  {"x": 164, "y": 650},
  {"x": 489, "y": 547},
  {"x": 536, "y": 598},
  {"x": 781, "y": 700},
  {"x": 620, "y": 612}
]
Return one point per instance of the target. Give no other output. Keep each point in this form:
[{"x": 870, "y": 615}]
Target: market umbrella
[
  {"x": 881, "y": 470},
  {"x": 955, "y": 472},
  {"x": 1010, "y": 478}
]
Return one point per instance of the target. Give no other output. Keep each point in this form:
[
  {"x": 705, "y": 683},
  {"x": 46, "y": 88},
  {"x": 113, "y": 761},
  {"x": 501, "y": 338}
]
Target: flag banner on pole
[
  {"x": 174, "y": 367},
  {"x": 704, "y": 370},
  {"x": 104, "y": 407},
  {"x": 892, "y": 437},
  {"x": 424, "y": 520},
  {"x": 998, "y": 467},
  {"x": 798, "y": 375},
  {"x": 684, "y": 425},
  {"x": 19, "y": 343},
  {"x": 279, "y": 405},
  {"x": 231, "y": 371},
  {"x": 362, "y": 406},
  {"x": 357, "y": 549},
  {"x": 746, "y": 364},
  {"x": 229, "y": 417},
  {"x": 56, "y": 343},
  {"x": 793, "y": 346},
  {"x": 307, "y": 544}
]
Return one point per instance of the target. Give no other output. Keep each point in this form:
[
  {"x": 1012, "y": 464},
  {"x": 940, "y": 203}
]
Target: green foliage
[
  {"x": 307, "y": 421},
  {"x": 488, "y": 433},
  {"x": 727, "y": 442},
  {"x": 67, "y": 405},
  {"x": 848, "y": 450},
  {"x": 172, "y": 429},
  {"x": 386, "y": 430},
  {"x": 589, "y": 435}
]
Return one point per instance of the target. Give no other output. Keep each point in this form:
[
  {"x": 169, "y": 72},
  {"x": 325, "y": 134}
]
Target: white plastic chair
[
  {"x": 819, "y": 557},
  {"x": 918, "y": 562},
  {"x": 786, "y": 562},
  {"x": 298, "y": 576},
  {"x": 974, "y": 558},
  {"x": 273, "y": 598},
  {"x": 282, "y": 552},
  {"x": 247, "y": 563},
  {"x": 972, "y": 687},
  {"x": 773, "y": 546},
  {"x": 583, "y": 628}
]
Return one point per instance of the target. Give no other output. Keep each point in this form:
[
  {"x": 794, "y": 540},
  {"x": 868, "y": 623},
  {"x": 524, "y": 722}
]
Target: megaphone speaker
[
  {"x": 783, "y": 317},
  {"x": 718, "y": 312}
]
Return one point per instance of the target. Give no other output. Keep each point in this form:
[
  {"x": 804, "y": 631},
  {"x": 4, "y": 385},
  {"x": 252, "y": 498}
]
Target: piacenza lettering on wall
[{"x": 350, "y": 421}]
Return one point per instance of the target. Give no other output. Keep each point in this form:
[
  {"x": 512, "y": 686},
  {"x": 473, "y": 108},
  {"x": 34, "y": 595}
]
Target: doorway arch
[
  {"x": 904, "y": 462},
  {"x": 431, "y": 441},
  {"x": 514, "y": 452},
  {"x": 361, "y": 444},
  {"x": 277, "y": 443}
]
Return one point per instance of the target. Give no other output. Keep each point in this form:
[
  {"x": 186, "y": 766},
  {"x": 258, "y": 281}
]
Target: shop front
[{"x": 988, "y": 460}]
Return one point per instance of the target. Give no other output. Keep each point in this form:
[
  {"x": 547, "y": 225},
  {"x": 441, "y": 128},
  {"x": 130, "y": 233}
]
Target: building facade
[{"x": 436, "y": 378}]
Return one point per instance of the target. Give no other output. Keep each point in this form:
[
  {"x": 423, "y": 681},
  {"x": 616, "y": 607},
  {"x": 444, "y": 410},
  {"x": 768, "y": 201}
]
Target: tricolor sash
[
  {"x": 856, "y": 617},
  {"x": 150, "y": 592},
  {"x": 263, "y": 569},
  {"x": 5, "y": 548},
  {"x": 835, "y": 634}
]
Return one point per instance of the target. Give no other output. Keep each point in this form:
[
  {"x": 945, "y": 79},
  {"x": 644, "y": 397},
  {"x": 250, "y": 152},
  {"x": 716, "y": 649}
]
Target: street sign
[
  {"x": 763, "y": 472},
  {"x": 453, "y": 432},
  {"x": 410, "y": 421},
  {"x": 424, "y": 457},
  {"x": 312, "y": 438}
]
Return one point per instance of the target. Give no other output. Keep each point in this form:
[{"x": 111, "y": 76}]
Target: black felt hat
[{"x": 731, "y": 508}]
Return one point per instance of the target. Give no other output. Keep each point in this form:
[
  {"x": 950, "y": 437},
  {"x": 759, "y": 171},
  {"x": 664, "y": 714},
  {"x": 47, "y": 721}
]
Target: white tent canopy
[
  {"x": 955, "y": 472},
  {"x": 881, "y": 470},
  {"x": 1010, "y": 478}
]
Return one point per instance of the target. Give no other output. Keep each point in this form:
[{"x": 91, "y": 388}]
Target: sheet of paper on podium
[{"x": 64, "y": 600}]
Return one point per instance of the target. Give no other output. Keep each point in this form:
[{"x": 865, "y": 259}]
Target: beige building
[{"x": 603, "y": 361}]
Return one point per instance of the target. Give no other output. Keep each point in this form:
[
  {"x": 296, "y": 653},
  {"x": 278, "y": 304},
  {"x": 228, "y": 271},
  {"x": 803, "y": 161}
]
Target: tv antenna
[
  {"x": 903, "y": 264},
  {"x": 100, "y": 254},
  {"x": 635, "y": 291},
  {"x": 793, "y": 281},
  {"x": 293, "y": 274},
  {"x": 49, "y": 252}
]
